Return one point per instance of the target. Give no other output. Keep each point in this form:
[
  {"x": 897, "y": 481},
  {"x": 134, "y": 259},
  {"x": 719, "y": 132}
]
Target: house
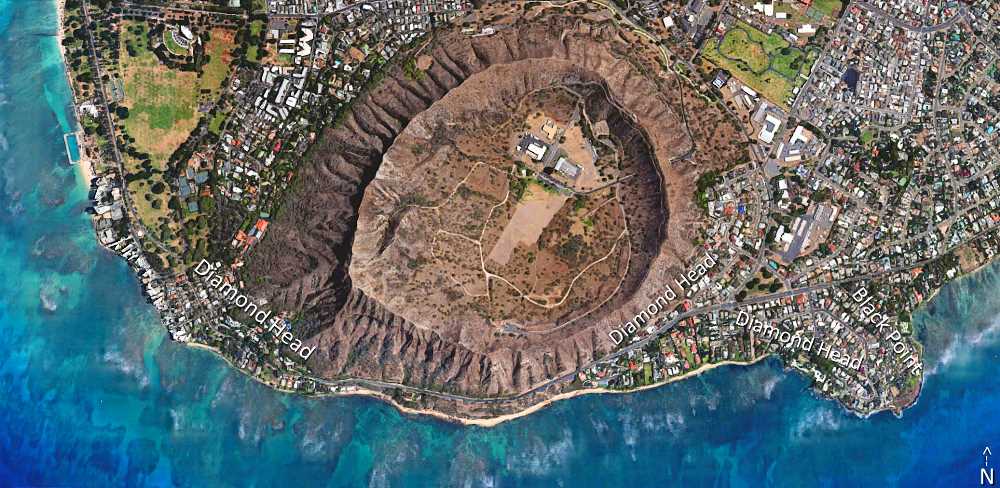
[{"x": 721, "y": 77}]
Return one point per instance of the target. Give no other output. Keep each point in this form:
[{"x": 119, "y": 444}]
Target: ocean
[{"x": 93, "y": 394}]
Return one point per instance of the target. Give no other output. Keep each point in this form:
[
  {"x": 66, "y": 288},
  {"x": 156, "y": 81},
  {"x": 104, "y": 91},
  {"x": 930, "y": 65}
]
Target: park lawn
[
  {"x": 256, "y": 27},
  {"x": 149, "y": 215},
  {"x": 768, "y": 84},
  {"x": 745, "y": 45},
  {"x": 219, "y": 50},
  {"x": 790, "y": 65},
  {"x": 215, "y": 125},
  {"x": 739, "y": 46},
  {"x": 143, "y": 198},
  {"x": 771, "y": 42},
  {"x": 161, "y": 101},
  {"x": 830, "y": 8},
  {"x": 253, "y": 50},
  {"x": 253, "y": 54},
  {"x": 163, "y": 106}
]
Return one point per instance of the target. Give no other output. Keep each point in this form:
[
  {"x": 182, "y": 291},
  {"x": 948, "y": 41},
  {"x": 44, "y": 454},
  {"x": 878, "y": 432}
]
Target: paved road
[
  {"x": 662, "y": 329},
  {"x": 962, "y": 12},
  {"x": 159, "y": 9},
  {"x": 665, "y": 327}
]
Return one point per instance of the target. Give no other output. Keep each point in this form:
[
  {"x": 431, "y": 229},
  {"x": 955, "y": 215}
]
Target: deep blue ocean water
[{"x": 91, "y": 393}]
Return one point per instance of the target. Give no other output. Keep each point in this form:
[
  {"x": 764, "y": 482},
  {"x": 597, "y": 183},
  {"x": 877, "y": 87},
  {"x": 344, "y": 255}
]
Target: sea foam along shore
[{"x": 492, "y": 421}]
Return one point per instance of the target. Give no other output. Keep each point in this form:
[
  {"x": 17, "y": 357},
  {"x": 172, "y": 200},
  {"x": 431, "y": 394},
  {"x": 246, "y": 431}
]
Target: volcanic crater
[{"x": 404, "y": 245}]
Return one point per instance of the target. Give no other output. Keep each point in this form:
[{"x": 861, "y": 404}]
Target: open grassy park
[
  {"x": 829, "y": 8},
  {"x": 163, "y": 102},
  {"x": 765, "y": 62},
  {"x": 163, "y": 110}
]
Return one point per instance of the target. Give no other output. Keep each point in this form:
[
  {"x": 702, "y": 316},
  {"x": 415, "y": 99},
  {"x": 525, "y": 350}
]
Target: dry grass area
[
  {"x": 541, "y": 254},
  {"x": 969, "y": 259},
  {"x": 163, "y": 110},
  {"x": 163, "y": 102},
  {"x": 501, "y": 243},
  {"x": 530, "y": 218},
  {"x": 581, "y": 152}
]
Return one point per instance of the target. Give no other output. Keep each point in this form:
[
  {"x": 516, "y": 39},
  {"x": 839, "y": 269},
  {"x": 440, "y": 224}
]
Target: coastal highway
[
  {"x": 662, "y": 329},
  {"x": 665, "y": 327}
]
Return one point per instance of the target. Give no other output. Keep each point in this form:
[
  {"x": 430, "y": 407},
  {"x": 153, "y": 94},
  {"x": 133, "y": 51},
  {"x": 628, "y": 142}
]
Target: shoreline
[
  {"x": 483, "y": 422},
  {"x": 84, "y": 166},
  {"x": 896, "y": 410},
  {"x": 494, "y": 421}
]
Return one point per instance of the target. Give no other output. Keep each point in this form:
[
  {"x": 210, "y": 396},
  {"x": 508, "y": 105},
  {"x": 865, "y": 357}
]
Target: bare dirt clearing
[{"x": 528, "y": 222}]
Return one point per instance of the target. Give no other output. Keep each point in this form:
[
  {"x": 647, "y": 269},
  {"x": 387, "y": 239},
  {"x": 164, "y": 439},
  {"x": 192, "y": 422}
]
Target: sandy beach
[
  {"x": 60, "y": 35},
  {"x": 492, "y": 421},
  {"x": 85, "y": 167}
]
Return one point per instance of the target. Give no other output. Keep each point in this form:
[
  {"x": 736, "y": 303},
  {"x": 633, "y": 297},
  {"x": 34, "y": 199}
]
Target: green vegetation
[
  {"x": 821, "y": 195},
  {"x": 765, "y": 62},
  {"x": 162, "y": 110},
  {"x": 570, "y": 249},
  {"x": 706, "y": 181},
  {"x": 215, "y": 125},
  {"x": 518, "y": 185},
  {"x": 789, "y": 63},
  {"x": 411, "y": 70},
  {"x": 256, "y": 27},
  {"x": 253, "y": 54},
  {"x": 545, "y": 186},
  {"x": 158, "y": 98},
  {"x": 163, "y": 102},
  {"x": 171, "y": 44},
  {"x": 215, "y": 71},
  {"x": 745, "y": 51},
  {"x": 829, "y": 8}
]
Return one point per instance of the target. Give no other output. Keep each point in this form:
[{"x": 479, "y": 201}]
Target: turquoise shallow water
[{"x": 93, "y": 395}]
